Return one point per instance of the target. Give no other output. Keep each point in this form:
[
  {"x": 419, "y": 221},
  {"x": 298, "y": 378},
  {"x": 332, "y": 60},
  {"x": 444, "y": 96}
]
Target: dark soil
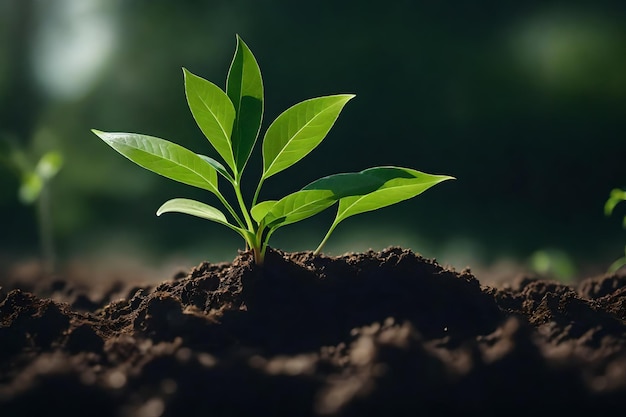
[{"x": 372, "y": 334}]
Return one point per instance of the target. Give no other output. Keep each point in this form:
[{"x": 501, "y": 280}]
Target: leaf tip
[
  {"x": 99, "y": 133},
  {"x": 161, "y": 210},
  {"x": 347, "y": 97}
]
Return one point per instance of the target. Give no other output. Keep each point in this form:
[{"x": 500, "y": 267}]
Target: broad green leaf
[
  {"x": 164, "y": 158},
  {"x": 198, "y": 209},
  {"x": 316, "y": 197},
  {"x": 259, "y": 211},
  {"x": 298, "y": 130},
  {"x": 298, "y": 206},
  {"x": 399, "y": 184},
  {"x": 244, "y": 86},
  {"x": 347, "y": 184},
  {"x": 192, "y": 207},
  {"x": 214, "y": 113}
]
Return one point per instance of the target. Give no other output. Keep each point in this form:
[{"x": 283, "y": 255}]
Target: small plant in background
[
  {"x": 35, "y": 190},
  {"x": 554, "y": 263},
  {"x": 615, "y": 198},
  {"x": 231, "y": 120}
]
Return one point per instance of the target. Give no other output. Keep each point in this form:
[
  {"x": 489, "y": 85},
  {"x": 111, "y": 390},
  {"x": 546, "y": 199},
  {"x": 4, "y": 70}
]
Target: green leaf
[
  {"x": 399, "y": 184},
  {"x": 244, "y": 86},
  {"x": 298, "y": 206},
  {"x": 197, "y": 209},
  {"x": 30, "y": 188},
  {"x": 347, "y": 184},
  {"x": 214, "y": 113},
  {"x": 218, "y": 167},
  {"x": 316, "y": 197},
  {"x": 616, "y": 197},
  {"x": 33, "y": 182},
  {"x": 49, "y": 165},
  {"x": 298, "y": 130},
  {"x": 164, "y": 158},
  {"x": 259, "y": 211}
]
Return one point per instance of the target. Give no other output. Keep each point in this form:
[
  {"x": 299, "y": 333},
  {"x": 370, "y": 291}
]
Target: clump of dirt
[{"x": 370, "y": 334}]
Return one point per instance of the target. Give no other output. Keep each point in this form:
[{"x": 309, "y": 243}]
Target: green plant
[
  {"x": 35, "y": 190},
  {"x": 614, "y": 199},
  {"x": 231, "y": 121}
]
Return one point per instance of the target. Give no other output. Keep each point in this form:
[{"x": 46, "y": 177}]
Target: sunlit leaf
[
  {"x": 347, "y": 184},
  {"x": 318, "y": 196},
  {"x": 164, "y": 158},
  {"x": 197, "y": 209},
  {"x": 214, "y": 113},
  {"x": 192, "y": 207},
  {"x": 299, "y": 206},
  {"x": 399, "y": 184},
  {"x": 244, "y": 86},
  {"x": 298, "y": 130},
  {"x": 259, "y": 211}
]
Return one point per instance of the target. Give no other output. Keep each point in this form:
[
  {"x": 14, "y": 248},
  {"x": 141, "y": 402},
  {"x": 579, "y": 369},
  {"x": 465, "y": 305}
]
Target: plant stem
[
  {"x": 323, "y": 242},
  {"x": 242, "y": 206},
  {"x": 45, "y": 231},
  {"x": 266, "y": 241},
  {"x": 231, "y": 210},
  {"x": 259, "y": 255},
  {"x": 257, "y": 191}
]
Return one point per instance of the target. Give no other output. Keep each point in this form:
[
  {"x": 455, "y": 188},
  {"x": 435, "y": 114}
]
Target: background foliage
[{"x": 523, "y": 102}]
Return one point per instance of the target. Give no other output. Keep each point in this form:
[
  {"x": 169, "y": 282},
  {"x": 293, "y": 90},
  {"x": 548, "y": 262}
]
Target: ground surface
[{"x": 373, "y": 334}]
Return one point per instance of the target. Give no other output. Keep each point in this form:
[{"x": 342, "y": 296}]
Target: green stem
[
  {"x": 265, "y": 242},
  {"x": 259, "y": 255},
  {"x": 231, "y": 210},
  {"x": 257, "y": 191},
  {"x": 242, "y": 206},
  {"x": 323, "y": 242},
  {"x": 45, "y": 230}
]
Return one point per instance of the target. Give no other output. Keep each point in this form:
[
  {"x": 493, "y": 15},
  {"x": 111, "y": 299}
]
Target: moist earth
[{"x": 385, "y": 333}]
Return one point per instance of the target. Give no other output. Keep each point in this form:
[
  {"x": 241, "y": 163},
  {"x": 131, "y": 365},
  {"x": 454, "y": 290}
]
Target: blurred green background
[{"x": 523, "y": 102}]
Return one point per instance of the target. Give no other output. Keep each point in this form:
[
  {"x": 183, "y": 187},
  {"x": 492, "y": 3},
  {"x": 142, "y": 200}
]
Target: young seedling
[
  {"x": 231, "y": 121},
  {"x": 35, "y": 190},
  {"x": 615, "y": 198}
]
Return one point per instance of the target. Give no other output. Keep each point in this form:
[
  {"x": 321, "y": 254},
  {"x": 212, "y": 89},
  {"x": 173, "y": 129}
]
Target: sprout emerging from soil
[
  {"x": 616, "y": 197},
  {"x": 231, "y": 120}
]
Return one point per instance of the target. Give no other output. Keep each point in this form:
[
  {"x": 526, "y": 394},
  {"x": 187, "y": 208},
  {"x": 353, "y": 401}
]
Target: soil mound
[{"x": 384, "y": 333}]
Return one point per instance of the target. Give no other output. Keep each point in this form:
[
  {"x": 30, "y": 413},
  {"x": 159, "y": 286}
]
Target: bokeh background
[{"x": 523, "y": 102}]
